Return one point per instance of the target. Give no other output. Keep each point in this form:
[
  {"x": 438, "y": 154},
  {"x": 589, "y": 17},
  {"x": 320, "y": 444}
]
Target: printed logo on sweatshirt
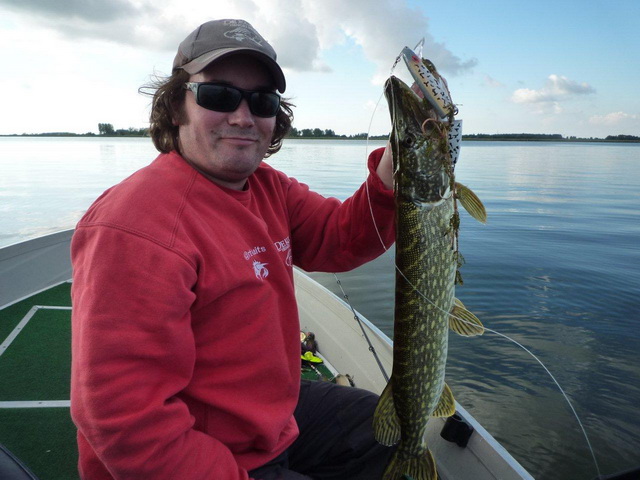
[
  {"x": 260, "y": 269},
  {"x": 254, "y": 251},
  {"x": 285, "y": 246}
]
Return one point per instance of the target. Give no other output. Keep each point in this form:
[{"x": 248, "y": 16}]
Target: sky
[{"x": 569, "y": 67}]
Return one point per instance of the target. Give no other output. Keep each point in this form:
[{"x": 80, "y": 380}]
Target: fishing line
[
  {"x": 515, "y": 342},
  {"x": 533, "y": 355},
  {"x": 366, "y": 184}
]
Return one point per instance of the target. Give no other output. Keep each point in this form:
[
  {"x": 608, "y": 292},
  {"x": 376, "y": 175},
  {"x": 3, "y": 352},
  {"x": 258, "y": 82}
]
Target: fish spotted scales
[{"x": 426, "y": 265}]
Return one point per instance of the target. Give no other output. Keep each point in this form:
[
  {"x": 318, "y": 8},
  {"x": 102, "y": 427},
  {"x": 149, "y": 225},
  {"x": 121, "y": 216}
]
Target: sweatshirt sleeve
[
  {"x": 333, "y": 236},
  {"x": 133, "y": 350}
]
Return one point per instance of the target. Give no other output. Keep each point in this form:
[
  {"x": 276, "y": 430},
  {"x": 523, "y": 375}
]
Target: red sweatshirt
[{"x": 185, "y": 327}]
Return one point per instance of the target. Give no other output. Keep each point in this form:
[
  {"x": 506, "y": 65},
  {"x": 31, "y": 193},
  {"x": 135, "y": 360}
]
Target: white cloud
[
  {"x": 556, "y": 89},
  {"x": 113, "y": 47},
  {"x": 492, "y": 82},
  {"x": 293, "y": 35},
  {"x": 97, "y": 11},
  {"x": 381, "y": 28},
  {"x": 614, "y": 118},
  {"x": 298, "y": 29}
]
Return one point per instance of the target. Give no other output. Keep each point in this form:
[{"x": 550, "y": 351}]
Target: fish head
[{"x": 421, "y": 161}]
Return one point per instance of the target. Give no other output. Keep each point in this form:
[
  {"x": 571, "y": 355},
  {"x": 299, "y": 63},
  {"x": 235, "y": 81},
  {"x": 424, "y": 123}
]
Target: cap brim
[{"x": 203, "y": 61}]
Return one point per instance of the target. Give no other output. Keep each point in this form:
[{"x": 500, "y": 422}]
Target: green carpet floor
[{"x": 36, "y": 366}]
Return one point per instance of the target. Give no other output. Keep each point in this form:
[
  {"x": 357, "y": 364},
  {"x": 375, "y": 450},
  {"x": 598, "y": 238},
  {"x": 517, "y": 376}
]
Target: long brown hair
[{"x": 168, "y": 94}]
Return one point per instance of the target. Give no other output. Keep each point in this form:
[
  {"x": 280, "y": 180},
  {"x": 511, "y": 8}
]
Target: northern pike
[{"x": 427, "y": 261}]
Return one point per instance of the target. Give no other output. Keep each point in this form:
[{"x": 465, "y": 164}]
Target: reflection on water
[
  {"x": 48, "y": 183},
  {"x": 556, "y": 268}
]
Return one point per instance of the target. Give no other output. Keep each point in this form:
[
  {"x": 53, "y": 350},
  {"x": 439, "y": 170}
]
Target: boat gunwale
[{"x": 17, "y": 255}]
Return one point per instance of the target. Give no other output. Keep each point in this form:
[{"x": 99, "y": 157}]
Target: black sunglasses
[{"x": 225, "y": 98}]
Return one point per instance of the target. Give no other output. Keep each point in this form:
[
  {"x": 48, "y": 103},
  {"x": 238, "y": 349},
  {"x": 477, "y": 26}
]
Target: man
[{"x": 180, "y": 265}]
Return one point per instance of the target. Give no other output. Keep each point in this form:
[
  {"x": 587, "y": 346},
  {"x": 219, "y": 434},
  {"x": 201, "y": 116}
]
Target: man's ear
[{"x": 178, "y": 115}]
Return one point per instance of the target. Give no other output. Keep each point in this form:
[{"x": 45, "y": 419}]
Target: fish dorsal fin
[
  {"x": 463, "y": 322},
  {"x": 386, "y": 424},
  {"x": 471, "y": 203},
  {"x": 446, "y": 405}
]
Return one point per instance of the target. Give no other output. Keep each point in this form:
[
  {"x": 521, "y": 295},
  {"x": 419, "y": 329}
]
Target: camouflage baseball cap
[{"x": 217, "y": 39}]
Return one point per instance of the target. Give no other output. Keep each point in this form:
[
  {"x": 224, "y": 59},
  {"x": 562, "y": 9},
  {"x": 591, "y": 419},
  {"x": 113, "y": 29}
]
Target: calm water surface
[{"x": 557, "y": 268}]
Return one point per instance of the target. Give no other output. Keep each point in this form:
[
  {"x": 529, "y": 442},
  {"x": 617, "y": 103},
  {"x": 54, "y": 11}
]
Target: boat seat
[{"x": 13, "y": 469}]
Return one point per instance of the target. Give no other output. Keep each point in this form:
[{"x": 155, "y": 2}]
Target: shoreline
[{"x": 472, "y": 138}]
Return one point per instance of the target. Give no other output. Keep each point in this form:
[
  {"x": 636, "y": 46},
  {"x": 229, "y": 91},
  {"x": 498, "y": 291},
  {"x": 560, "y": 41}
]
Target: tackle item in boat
[
  {"x": 310, "y": 357},
  {"x": 315, "y": 371},
  {"x": 427, "y": 261},
  {"x": 313, "y": 367},
  {"x": 308, "y": 342},
  {"x": 344, "y": 379}
]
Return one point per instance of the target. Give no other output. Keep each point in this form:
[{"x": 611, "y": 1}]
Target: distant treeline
[
  {"x": 544, "y": 137},
  {"x": 623, "y": 138},
  {"x": 52, "y": 134},
  {"x": 104, "y": 129},
  {"x": 514, "y": 136},
  {"x": 107, "y": 130},
  {"x": 540, "y": 137},
  {"x": 328, "y": 133}
]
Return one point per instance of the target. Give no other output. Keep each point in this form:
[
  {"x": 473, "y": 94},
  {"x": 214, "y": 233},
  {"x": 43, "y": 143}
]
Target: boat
[{"x": 37, "y": 436}]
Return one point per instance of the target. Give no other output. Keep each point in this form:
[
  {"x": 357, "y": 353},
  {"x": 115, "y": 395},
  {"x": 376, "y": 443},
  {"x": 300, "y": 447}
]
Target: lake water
[{"x": 557, "y": 267}]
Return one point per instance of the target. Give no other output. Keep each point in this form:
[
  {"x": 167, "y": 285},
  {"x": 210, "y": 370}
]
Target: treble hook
[{"x": 438, "y": 127}]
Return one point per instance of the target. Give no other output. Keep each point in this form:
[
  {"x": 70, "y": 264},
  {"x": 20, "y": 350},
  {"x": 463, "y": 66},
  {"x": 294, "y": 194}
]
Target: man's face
[{"x": 227, "y": 147}]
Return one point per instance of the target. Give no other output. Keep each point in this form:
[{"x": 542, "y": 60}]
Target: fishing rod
[{"x": 364, "y": 332}]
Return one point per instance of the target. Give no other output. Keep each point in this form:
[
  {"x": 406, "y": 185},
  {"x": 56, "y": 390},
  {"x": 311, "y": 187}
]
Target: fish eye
[{"x": 408, "y": 140}]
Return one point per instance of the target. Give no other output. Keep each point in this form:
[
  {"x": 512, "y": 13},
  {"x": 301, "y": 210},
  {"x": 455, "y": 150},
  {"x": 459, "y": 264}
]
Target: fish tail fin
[
  {"x": 422, "y": 467},
  {"x": 463, "y": 322},
  {"x": 386, "y": 424},
  {"x": 446, "y": 405}
]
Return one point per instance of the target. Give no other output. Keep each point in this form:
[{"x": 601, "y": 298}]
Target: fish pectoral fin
[
  {"x": 386, "y": 424},
  {"x": 463, "y": 322},
  {"x": 471, "y": 203},
  {"x": 422, "y": 467},
  {"x": 446, "y": 405}
]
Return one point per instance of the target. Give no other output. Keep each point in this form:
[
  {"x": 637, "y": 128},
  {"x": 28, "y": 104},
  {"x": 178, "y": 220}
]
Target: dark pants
[{"x": 336, "y": 437}]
